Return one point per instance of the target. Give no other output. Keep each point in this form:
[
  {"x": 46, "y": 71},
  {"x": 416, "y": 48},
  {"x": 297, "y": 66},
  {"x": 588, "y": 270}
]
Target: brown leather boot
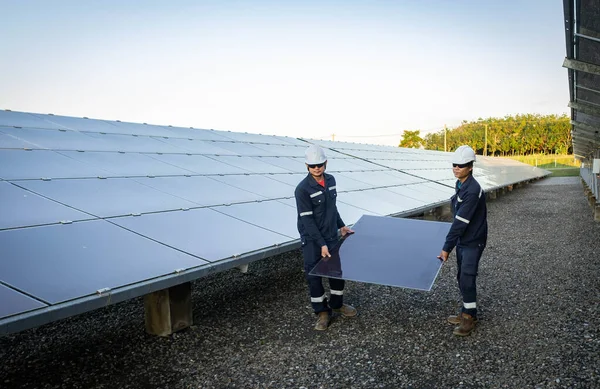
[
  {"x": 455, "y": 320},
  {"x": 322, "y": 321},
  {"x": 467, "y": 325},
  {"x": 346, "y": 310}
]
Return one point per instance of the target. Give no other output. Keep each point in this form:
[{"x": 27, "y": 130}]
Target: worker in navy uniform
[
  {"x": 319, "y": 224},
  {"x": 468, "y": 234}
]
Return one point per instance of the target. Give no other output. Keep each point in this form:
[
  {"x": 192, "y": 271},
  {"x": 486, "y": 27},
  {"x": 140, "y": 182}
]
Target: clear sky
[{"x": 297, "y": 68}]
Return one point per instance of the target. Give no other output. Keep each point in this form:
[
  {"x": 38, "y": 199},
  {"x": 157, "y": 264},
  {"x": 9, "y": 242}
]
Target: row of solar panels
[{"x": 91, "y": 205}]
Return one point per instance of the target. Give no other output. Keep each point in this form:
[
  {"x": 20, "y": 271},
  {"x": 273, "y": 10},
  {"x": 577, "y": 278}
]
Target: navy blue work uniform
[
  {"x": 318, "y": 225},
  {"x": 468, "y": 234}
]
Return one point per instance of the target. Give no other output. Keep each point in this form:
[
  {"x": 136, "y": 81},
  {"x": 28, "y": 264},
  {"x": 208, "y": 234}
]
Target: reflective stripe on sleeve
[
  {"x": 317, "y": 299},
  {"x": 306, "y": 213},
  {"x": 470, "y": 305},
  {"x": 462, "y": 219},
  {"x": 332, "y": 187},
  {"x": 316, "y": 194},
  {"x": 480, "y": 192},
  {"x": 337, "y": 292}
]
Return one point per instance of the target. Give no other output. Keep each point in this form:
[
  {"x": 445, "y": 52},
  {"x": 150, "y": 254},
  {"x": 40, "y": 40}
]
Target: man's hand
[
  {"x": 325, "y": 252},
  {"x": 346, "y": 230},
  {"x": 443, "y": 255}
]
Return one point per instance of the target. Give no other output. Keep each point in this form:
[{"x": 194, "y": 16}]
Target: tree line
[{"x": 511, "y": 135}]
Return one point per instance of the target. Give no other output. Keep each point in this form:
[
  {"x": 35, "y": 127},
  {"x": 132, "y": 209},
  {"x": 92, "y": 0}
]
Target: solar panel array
[{"x": 91, "y": 207}]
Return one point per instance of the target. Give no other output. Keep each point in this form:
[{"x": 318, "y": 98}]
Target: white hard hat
[
  {"x": 463, "y": 154},
  {"x": 315, "y": 155}
]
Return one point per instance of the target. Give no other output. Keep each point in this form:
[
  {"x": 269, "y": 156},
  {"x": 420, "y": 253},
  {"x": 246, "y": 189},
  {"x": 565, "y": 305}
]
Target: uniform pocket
[
  {"x": 470, "y": 260},
  {"x": 332, "y": 193},
  {"x": 317, "y": 198}
]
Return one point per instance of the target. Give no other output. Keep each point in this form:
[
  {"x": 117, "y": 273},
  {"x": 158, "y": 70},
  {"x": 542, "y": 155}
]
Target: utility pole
[
  {"x": 485, "y": 141},
  {"x": 333, "y": 137},
  {"x": 445, "y": 129}
]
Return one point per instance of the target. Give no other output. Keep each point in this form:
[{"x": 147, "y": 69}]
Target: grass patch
[
  {"x": 547, "y": 161},
  {"x": 550, "y": 166},
  {"x": 564, "y": 172}
]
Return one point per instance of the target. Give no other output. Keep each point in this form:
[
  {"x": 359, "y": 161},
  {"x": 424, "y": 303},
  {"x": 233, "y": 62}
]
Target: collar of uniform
[
  {"x": 314, "y": 183},
  {"x": 465, "y": 184}
]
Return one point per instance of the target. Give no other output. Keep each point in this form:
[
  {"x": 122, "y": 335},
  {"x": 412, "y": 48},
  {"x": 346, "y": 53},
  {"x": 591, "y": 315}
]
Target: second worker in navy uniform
[
  {"x": 318, "y": 224},
  {"x": 468, "y": 234}
]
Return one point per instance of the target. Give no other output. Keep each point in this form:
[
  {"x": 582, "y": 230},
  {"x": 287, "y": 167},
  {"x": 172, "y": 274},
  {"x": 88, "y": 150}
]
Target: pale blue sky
[{"x": 309, "y": 68}]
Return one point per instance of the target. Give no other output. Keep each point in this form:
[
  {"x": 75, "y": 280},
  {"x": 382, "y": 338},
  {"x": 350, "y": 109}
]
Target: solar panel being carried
[{"x": 94, "y": 212}]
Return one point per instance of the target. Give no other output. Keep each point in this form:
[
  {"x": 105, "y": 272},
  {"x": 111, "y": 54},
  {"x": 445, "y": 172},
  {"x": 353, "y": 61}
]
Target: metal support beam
[
  {"x": 592, "y": 135},
  {"x": 583, "y": 150},
  {"x": 581, "y": 66},
  {"x": 582, "y": 143},
  {"x": 585, "y": 127},
  {"x": 569, "y": 17},
  {"x": 589, "y": 33},
  {"x": 585, "y": 108},
  {"x": 587, "y": 37},
  {"x": 587, "y": 89},
  {"x": 585, "y": 136},
  {"x": 584, "y": 147}
]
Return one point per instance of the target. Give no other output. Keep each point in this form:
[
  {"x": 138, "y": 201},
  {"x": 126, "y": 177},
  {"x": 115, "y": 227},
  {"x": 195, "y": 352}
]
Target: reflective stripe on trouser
[
  {"x": 312, "y": 254},
  {"x": 467, "y": 265}
]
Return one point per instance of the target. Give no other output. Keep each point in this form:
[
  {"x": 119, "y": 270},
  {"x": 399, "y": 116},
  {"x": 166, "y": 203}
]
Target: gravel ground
[{"x": 539, "y": 301}]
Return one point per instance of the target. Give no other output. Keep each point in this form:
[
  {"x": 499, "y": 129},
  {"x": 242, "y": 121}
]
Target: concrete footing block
[{"x": 168, "y": 310}]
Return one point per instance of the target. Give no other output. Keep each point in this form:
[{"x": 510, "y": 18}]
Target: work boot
[
  {"x": 466, "y": 326},
  {"x": 322, "y": 321},
  {"x": 455, "y": 320},
  {"x": 346, "y": 310}
]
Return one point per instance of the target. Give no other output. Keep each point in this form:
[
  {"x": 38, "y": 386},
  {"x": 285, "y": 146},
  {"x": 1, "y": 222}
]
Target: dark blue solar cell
[
  {"x": 282, "y": 150},
  {"x": 75, "y": 260},
  {"x": 197, "y": 146},
  {"x": 256, "y": 213},
  {"x": 137, "y": 129},
  {"x": 243, "y": 149},
  {"x": 257, "y": 183},
  {"x": 388, "y": 251},
  {"x": 203, "y": 232},
  {"x": 80, "y": 124},
  {"x": 126, "y": 164},
  {"x": 253, "y": 165},
  {"x": 107, "y": 197},
  {"x": 25, "y": 119},
  {"x": 295, "y": 165},
  {"x": 14, "y": 302},
  {"x": 11, "y": 142},
  {"x": 195, "y": 133},
  {"x": 194, "y": 189},
  {"x": 52, "y": 139},
  {"x": 21, "y": 208},
  {"x": 128, "y": 143},
  {"x": 198, "y": 164},
  {"x": 36, "y": 164}
]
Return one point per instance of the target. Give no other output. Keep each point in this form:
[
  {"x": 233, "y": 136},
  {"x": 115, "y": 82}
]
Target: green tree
[
  {"x": 519, "y": 134},
  {"x": 411, "y": 139}
]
